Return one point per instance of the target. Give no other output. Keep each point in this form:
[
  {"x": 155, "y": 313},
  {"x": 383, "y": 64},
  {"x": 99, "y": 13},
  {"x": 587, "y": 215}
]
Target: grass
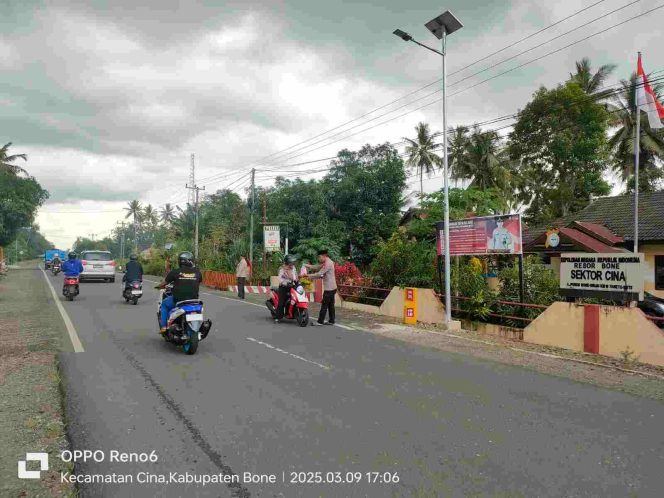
[{"x": 31, "y": 410}]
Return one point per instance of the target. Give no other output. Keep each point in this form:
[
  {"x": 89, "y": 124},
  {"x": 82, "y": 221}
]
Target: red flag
[{"x": 646, "y": 100}]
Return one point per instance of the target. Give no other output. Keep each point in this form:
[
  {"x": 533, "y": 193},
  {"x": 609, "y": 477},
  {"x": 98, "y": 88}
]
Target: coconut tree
[
  {"x": 167, "y": 214},
  {"x": 622, "y": 141},
  {"x": 135, "y": 210},
  {"x": 7, "y": 161},
  {"x": 592, "y": 82},
  {"x": 458, "y": 145},
  {"x": 421, "y": 154}
]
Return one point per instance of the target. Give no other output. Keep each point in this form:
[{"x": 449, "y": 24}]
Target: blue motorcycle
[{"x": 186, "y": 326}]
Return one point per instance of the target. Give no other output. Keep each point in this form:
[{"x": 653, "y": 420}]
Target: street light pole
[{"x": 443, "y": 25}]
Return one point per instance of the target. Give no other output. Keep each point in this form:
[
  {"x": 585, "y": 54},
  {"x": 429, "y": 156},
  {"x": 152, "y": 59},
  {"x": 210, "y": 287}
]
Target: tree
[
  {"x": 559, "y": 145},
  {"x": 7, "y": 161},
  {"x": 622, "y": 141},
  {"x": 421, "y": 152},
  {"x": 167, "y": 214},
  {"x": 590, "y": 82},
  {"x": 458, "y": 143},
  {"x": 19, "y": 200},
  {"x": 135, "y": 210},
  {"x": 363, "y": 190}
]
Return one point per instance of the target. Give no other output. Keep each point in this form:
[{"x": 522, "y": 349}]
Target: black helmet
[
  {"x": 133, "y": 257},
  {"x": 289, "y": 259},
  {"x": 186, "y": 259},
  {"x": 71, "y": 255}
]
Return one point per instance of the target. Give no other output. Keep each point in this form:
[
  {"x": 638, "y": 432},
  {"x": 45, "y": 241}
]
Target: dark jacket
[{"x": 134, "y": 271}]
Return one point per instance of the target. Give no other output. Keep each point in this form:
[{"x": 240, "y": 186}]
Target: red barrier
[{"x": 218, "y": 280}]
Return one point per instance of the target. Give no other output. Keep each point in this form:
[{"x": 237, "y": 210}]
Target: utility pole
[
  {"x": 195, "y": 190},
  {"x": 264, "y": 221},
  {"x": 192, "y": 180},
  {"x": 251, "y": 216},
  {"x": 122, "y": 241}
]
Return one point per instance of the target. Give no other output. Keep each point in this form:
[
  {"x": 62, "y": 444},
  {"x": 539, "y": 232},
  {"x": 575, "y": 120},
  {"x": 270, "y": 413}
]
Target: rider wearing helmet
[
  {"x": 186, "y": 280},
  {"x": 73, "y": 266},
  {"x": 133, "y": 270},
  {"x": 287, "y": 277}
]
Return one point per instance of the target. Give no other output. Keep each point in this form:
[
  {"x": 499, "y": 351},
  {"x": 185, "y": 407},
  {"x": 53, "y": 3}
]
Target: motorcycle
[
  {"x": 297, "y": 305},
  {"x": 70, "y": 288},
  {"x": 55, "y": 268},
  {"x": 185, "y": 326},
  {"x": 132, "y": 291}
]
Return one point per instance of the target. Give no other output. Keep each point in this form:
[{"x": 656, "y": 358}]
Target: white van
[{"x": 97, "y": 265}]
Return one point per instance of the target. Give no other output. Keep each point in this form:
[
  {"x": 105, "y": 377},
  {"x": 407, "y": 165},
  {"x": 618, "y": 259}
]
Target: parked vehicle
[
  {"x": 97, "y": 265},
  {"x": 186, "y": 326},
  {"x": 297, "y": 306},
  {"x": 133, "y": 291},
  {"x": 56, "y": 268},
  {"x": 653, "y": 306},
  {"x": 70, "y": 288},
  {"x": 50, "y": 254}
]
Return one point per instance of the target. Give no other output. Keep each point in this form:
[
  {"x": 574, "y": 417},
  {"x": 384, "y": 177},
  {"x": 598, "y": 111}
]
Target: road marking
[
  {"x": 270, "y": 346},
  {"x": 73, "y": 336},
  {"x": 233, "y": 299},
  {"x": 343, "y": 326}
]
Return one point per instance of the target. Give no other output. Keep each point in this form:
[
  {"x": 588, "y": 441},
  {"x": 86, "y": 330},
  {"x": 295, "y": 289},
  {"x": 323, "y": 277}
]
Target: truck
[{"x": 50, "y": 254}]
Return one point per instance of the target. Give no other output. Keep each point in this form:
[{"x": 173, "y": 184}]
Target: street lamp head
[
  {"x": 444, "y": 23},
  {"x": 402, "y": 34}
]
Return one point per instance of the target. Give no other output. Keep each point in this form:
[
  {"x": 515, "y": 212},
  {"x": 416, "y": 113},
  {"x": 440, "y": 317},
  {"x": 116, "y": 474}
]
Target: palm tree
[
  {"x": 135, "y": 210},
  {"x": 591, "y": 82},
  {"x": 421, "y": 155},
  {"x": 457, "y": 148},
  {"x": 482, "y": 161},
  {"x": 167, "y": 214},
  {"x": 7, "y": 160},
  {"x": 622, "y": 140},
  {"x": 150, "y": 215}
]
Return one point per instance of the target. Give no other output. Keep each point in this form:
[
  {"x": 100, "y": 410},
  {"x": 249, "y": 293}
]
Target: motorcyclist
[
  {"x": 133, "y": 271},
  {"x": 287, "y": 277},
  {"x": 56, "y": 261},
  {"x": 73, "y": 266},
  {"x": 186, "y": 281}
]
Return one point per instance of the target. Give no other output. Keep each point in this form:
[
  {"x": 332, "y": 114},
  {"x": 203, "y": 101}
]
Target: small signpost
[
  {"x": 410, "y": 306},
  {"x": 271, "y": 238}
]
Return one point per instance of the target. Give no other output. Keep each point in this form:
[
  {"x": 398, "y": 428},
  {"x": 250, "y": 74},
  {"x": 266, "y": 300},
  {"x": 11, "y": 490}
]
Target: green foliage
[
  {"x": 560, "y": 144},
  {"x": 155, "y": 264},
  {"x": 403, "y": 262},
  {"x": 468, "y": 283},
  {"x": 28, "y": 244},
  {"x": 307, "y": 249},
  {"x": 421, "y": 153},
  {"x": 19, "y": 199}
]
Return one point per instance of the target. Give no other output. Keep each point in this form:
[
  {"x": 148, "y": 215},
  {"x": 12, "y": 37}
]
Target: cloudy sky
[{"x": 109, "y": 99}]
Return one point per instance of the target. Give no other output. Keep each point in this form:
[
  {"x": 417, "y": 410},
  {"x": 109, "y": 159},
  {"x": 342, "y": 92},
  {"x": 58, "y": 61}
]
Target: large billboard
[
  {"x": 271, "y": 238},
  {"x": 481, "y": 236},
  {"x": 614, "y": 276}
]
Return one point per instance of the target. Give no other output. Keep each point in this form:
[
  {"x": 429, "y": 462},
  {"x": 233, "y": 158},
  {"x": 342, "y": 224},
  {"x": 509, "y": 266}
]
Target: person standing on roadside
[
  {"x": 241, "y": 273},
  {"x": 325, "y": 271}
]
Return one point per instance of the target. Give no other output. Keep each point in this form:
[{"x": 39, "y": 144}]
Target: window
[
  {"x": 96, "y": 256},
  {"x": 659, "y": 272}
]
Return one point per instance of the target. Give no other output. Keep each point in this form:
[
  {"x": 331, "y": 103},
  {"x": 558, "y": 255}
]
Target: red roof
[
  {"x": 586, "y": 241},
  {"x": 599, "y": 232}
]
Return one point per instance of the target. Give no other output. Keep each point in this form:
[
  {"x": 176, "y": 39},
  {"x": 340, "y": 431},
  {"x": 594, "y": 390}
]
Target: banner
[
  {"x": 271, "y": 238},
  {"x": 613, "y": 276},
  {"x": 484, "y": 235}
]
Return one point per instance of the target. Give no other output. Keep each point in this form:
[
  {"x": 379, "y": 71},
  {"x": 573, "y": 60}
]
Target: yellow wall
[
  {"x": 560, "y": 325},
  {"x": 650, "y": 251}
]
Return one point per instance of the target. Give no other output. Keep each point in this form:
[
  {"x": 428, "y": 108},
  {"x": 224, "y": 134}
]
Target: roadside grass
[{"x": 31, "y": 410}]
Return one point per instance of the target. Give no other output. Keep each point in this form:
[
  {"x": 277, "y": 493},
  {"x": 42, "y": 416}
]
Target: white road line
[
  {"x": 343, "y": 326},
  {"x": 73, "y": 336},
  {"x": 233, "y": 299},
  {"x": 287, "y": 353}
]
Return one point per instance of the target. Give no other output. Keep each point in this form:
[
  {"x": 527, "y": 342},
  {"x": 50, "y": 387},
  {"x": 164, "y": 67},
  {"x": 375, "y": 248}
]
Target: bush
[
  {"x": 403, "y": 262},
  {"x": 468, "y": 282},
  {"x": 155, "y": 264},
  {"x": 307, "y": 249}
]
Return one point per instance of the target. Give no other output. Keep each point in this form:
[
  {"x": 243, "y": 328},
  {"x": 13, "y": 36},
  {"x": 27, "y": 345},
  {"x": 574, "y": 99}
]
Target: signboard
[
  {"x": 271, "y": 238},
  {"x": 410, "y": 306},
  {"x": 615, "y": 276},
  {"x": 483, "y": 235}
]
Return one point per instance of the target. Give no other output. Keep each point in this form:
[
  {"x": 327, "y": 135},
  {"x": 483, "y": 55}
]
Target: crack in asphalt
[{"x": 239, "y": 491}]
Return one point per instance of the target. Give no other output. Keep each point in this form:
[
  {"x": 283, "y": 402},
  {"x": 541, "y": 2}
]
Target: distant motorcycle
[
  {"x": 186, "y": 326},
  {"x": 70, "y": 288},
  {"x": 297, "y": 304},
  {"x": 56, "y": 268},
  {"x": 132, "y": 291}
]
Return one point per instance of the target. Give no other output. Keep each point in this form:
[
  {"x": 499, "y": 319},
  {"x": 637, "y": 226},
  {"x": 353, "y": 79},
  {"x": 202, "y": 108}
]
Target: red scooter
[
  {"x": 297, "y": 305},
  {"x": 70, "y": 288}
]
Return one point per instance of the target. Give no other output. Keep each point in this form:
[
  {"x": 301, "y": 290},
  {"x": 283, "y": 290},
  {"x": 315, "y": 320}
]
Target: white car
[{"x": 97, "y": 265}]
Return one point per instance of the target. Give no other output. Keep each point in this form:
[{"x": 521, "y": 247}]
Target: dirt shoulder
[
  {"x": 632, "y": 377},
  {"x": 31, "y": 414}
]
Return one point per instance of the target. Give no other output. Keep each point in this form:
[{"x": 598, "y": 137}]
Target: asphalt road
[{"x": 275, "y": 399}]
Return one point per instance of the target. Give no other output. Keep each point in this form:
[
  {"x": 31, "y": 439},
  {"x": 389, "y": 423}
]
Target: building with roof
[{"x": 607, "y": 226}]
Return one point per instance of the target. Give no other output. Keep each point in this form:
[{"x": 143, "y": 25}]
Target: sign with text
[
  {"x": 615, "y": 276},
  {"x": 481, "y": 236},
  {"x": 271, "y": 238}
]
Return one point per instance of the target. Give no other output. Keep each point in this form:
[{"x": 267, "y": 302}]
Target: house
[{"x": 607, "y": 226}]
